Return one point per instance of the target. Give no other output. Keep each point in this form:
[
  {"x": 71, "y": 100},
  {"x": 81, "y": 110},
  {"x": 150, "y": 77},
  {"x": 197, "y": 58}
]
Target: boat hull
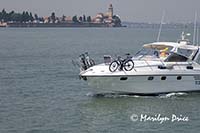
[{"x": 144, "y": 84}]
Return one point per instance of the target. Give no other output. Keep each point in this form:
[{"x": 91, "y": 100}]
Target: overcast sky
[{"x": 128, "y": 10}]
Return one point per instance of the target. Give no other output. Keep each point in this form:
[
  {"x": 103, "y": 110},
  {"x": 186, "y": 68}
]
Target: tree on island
[
  {"x": 84, "y": 18},
  {"x": 53, "y": 17},
  {"x": 116, "y": 20},
  {"x": 75, "y": 19},
  {"x": 80, "y": 19},
  {"x": 10, "y": 15},
  {"x": 26, "y": 17},
  {"x": 31, "y": 17},
  {"x": 17, "y": 17},
  {"x": 63, "y": 18},
  {"x": 89, "y": 19},
  {"x": 3, "y": 15},
  {"x": 41, "y": 19},
  {"x": 36, "y": 17},
  {"x": 23, "y": 18}
]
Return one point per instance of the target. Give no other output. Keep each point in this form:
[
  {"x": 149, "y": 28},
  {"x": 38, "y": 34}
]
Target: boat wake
[
  {"x": 173, "y": 94},
  {"x": 110, "y": 95},
  {"x": 120, "y": 95}
]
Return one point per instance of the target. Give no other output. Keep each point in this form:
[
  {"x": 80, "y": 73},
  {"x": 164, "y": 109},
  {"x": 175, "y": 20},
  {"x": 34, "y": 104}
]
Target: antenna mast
[
  {"x": 195, "y": 28},
  {"x": 163, "y": 16},
  {"x": 197, "y": 35}
]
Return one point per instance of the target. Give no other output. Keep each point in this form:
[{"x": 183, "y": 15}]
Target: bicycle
[{"x": 126, "y": 64}]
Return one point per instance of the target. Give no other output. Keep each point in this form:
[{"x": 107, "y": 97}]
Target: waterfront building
[{"x": 105, "y": 17}]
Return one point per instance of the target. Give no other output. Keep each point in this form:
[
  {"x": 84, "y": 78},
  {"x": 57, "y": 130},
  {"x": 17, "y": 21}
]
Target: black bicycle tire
[
  {"x": 131, "y": 67},
  {"x": 111, "y": 66}
]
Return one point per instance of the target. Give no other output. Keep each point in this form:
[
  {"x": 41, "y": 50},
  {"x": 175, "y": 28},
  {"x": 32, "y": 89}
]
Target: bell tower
[{"x": 110, "y": 11}]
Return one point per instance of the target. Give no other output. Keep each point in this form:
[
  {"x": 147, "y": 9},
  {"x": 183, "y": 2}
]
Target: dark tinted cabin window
[
  {"x": 176, "y": 58},
  {"x": 163, "y": 78},
  {"x": 150, "y": 78},
  {"x": 123, "y": 78},
  {"x": 185, "y": 52},
  {"x": 179, "y": 77}
]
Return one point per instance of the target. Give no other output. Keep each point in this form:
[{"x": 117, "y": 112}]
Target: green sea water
[{"x": 40, "y": 91}]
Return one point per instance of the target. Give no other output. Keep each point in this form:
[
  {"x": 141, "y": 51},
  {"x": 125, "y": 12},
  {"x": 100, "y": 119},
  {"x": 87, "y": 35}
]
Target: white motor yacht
[{"x": 159, "y": 67}]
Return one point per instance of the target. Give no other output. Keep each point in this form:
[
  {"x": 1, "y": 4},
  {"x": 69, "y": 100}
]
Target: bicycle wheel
[
  {"x": 113, "y": 66},
  {"x": 128, "y": 65}
]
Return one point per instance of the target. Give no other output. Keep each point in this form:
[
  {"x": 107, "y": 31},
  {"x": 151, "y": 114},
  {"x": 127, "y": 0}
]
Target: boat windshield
[
  {"x": 147, "y": 52},
  {"x": 182, "y": 55},
  {"x": 153, "y": 53},
  {"x": 186, "y": 52},
  {"x": 176, "y": 57}
]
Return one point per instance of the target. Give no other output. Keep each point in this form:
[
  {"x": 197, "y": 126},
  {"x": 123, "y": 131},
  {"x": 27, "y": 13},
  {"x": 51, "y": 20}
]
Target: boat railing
[
  {"x": 165, "y": 65},
  {"x": 188, "y": 65},
  {"x": 148, "y": 64}
]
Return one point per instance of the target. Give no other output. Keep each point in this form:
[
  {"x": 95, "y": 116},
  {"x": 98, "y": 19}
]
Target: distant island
[
  {"x": 27, "y": 19},
  {"x": 108, "y": 19}
]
